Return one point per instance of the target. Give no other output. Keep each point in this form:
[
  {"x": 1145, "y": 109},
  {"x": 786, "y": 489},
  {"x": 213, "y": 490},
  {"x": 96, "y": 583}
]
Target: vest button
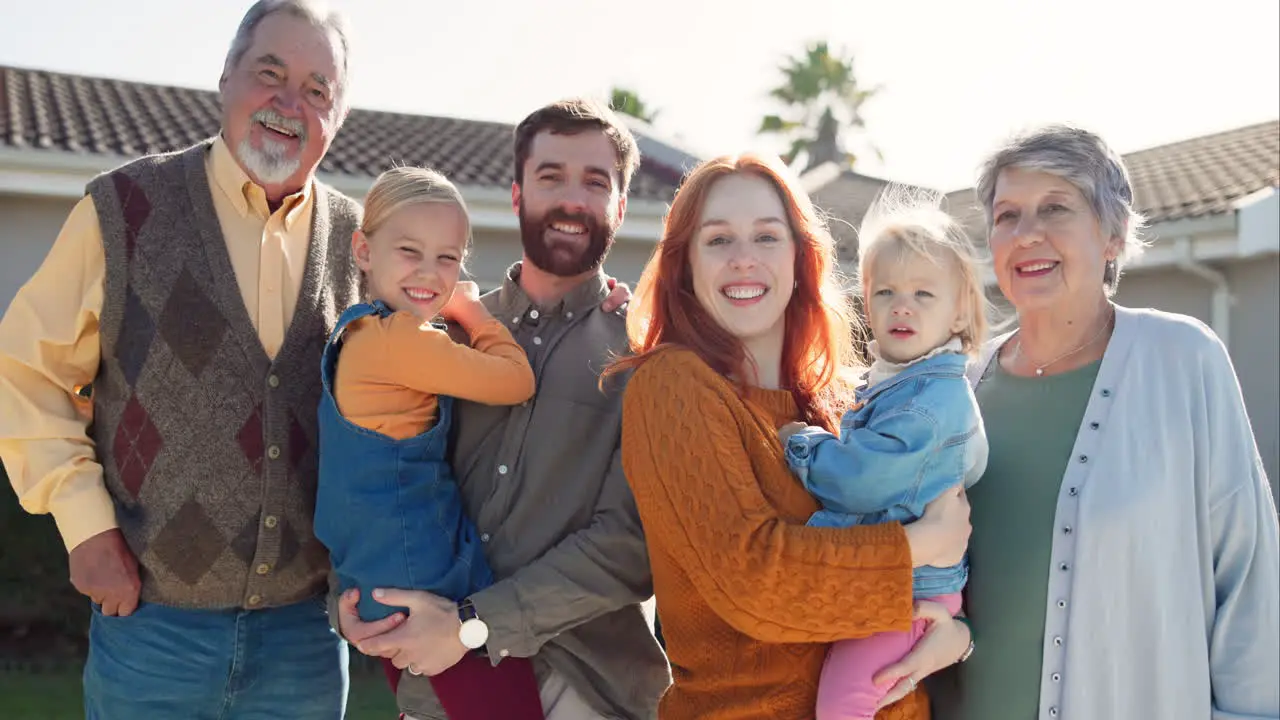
[
  {"x": 255, "y": 600},
  {"x": 263, "y": 569},
  {"x": 273, "y": 452},
  {"x": 270, "y": 521},
  {"x": 273, "y": 381}
]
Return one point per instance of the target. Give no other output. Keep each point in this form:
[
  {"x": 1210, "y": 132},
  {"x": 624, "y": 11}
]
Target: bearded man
[{"x": 543, "y": 480}]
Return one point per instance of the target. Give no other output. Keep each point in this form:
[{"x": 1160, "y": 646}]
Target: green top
[{"x": 1031, "y": 426}]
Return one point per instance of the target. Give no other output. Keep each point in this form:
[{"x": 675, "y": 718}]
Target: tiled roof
[
  {"x": 77, "y": 114},
  {"x": 1204, "y": 175},
  {"x": 1187, "y": 179}
]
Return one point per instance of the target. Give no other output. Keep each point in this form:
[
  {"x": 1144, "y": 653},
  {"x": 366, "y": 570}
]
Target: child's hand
[
  {"x": 786, "y": 431},
  {"x": 465, "y": 307}
]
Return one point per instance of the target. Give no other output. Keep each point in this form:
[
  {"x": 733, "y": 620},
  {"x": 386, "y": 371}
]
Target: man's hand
[
  {"x": 619, "y": 295},
  {"x": 427, "y": 643},
  {"x": 104, "y": 569},
  {"x": 356, "y": 631}
]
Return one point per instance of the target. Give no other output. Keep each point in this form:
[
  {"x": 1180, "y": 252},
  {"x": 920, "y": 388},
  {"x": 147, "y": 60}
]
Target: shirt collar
[
  {"x": 513, "y": 302},
  {"x": 246, "y": 196},
  {"x": 882, "y": 369}
]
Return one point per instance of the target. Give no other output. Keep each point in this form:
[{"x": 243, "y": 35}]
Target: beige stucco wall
[
  {"x": 1253, "y": 335},
  {"x": 28, "y": 227}
]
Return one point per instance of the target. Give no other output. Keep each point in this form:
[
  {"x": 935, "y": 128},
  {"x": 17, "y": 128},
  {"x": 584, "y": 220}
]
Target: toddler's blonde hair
[
  {"x": 408, "y": 185},
  {"x": 906, "y": 220}
]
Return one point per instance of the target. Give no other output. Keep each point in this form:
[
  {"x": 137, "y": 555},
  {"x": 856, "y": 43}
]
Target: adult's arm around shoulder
[{"x": 685, "y": 453}]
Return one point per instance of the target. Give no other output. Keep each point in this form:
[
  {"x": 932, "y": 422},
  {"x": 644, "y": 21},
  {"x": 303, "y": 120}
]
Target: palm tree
[
  {"x": 822, "y": 107},
  {"x": 627, "y": 101}
]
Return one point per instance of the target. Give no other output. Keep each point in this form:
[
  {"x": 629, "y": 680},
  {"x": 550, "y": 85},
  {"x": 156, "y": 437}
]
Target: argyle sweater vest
[{"x": 208, "y": 446}]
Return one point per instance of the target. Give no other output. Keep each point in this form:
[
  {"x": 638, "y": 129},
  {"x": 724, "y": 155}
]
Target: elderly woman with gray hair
[{"x": 1124, "y": 551}]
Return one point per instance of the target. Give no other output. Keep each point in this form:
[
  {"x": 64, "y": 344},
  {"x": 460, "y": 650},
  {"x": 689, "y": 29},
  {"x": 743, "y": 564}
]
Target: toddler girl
[
  {"x": 914, "y": 431},
  {"x": 388, "y": 507}
]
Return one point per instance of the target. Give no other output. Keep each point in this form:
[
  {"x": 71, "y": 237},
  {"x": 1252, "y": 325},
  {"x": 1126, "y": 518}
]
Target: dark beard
[{"x": 559, "y": 258}]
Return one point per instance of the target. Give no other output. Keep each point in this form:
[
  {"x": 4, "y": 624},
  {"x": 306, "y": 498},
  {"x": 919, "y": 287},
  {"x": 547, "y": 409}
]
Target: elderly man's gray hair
[
  {"x": 309, "y": 10},
  {"x": 1084, "y": 160}
]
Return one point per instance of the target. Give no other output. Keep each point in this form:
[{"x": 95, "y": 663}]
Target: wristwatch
[{"x": 472, "y": 632}]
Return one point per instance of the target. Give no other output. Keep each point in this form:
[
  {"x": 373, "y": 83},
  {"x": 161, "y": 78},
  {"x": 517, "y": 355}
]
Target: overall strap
[{"x": 328, "y": 358}]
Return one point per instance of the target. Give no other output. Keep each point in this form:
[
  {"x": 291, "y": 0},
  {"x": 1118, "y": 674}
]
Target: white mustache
[{"x": 271, "y": 116}]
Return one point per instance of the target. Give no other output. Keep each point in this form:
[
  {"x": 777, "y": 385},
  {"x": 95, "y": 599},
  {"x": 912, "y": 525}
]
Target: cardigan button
[
  {"x": 1056, "y": 677},
  {"x": 1057, "y": 642},
  {"x": 273, "y": 381},
  {"x": 273, "y": 452},
  {"x": 1073, "y": 492},
  {"x": 1066, "y": 530},
  {"x": 1064, "y": 567},
  {"x": 1053, "y": 712},
  {"x": 1106, "y": 392},
  {"x": 1062, "y": 604},
  {"x": 1094, "y": 426},
  {"x": 1083, "y": 458}
]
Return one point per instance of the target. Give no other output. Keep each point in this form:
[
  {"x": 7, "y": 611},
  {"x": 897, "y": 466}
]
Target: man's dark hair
[{"x": 570, "y": 117}]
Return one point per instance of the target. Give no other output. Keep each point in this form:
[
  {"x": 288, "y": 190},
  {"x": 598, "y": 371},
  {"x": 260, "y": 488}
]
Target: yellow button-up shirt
[{"x": 49, "y": 342}]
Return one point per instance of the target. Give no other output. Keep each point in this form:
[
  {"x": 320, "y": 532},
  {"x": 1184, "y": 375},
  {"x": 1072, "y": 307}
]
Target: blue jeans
[{"x": 165, "y": 663}]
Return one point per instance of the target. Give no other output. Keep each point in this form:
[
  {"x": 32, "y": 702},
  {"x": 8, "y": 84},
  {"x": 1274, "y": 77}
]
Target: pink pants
[{"x": 845, "y": 690}]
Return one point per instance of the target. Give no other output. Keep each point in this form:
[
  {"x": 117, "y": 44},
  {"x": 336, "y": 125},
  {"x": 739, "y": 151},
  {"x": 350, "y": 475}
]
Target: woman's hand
[
  {"x": 942, "y": 645},
  {"x": 941, "y": 537},
  {"x": 786, "y": 431}
]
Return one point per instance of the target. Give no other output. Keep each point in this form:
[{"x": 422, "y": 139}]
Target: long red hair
[{"x": 817, "y": 343}]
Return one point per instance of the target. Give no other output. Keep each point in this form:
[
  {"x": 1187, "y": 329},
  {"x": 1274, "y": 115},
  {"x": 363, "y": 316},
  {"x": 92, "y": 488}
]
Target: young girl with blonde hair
[
  {"x": 388, "y": 506},
  {"x": 914, "y": 431}
]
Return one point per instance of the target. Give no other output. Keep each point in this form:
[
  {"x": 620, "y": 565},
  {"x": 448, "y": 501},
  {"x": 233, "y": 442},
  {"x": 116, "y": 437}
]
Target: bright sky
[{"x": 957, "y": 76}]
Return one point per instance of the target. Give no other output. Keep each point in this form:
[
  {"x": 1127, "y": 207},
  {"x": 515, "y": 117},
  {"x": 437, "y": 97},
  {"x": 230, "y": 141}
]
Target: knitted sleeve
[{"x": 686, "y": 454}]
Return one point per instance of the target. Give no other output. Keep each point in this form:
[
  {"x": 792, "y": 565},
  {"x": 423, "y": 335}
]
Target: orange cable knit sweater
[{"x": 749, "y": 596}]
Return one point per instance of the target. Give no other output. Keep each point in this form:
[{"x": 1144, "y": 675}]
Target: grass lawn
[{"x": 56, "y": 696}]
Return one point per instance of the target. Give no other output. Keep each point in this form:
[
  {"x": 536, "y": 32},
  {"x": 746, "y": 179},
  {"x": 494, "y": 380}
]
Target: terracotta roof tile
[{"x": 72, "y": 113}]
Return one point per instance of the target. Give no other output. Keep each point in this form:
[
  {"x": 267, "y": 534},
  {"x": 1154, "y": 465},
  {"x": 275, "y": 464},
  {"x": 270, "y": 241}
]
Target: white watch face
[{"x": 474, "y": 633}]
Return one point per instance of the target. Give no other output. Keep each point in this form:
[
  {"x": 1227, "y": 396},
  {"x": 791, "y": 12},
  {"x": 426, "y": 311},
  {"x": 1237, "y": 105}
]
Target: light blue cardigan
[{"x": 1164, "y": 588}]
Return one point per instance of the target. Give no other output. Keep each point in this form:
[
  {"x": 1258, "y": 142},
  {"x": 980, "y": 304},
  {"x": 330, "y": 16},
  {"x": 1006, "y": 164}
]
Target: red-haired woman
[{"x": 738, "y": 327}]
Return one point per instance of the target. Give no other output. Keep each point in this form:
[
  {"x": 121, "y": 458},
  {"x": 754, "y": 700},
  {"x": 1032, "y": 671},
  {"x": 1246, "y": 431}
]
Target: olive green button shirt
[{"x": 543, "y": 482}]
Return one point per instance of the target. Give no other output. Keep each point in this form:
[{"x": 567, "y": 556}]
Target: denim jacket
[{"x": 906, "y": 440}]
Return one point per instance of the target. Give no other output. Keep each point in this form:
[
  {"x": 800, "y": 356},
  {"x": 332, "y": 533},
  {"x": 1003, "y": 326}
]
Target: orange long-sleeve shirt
[
  {"x": 747, "y": 593},
  {"x": 392, "y": 369}
]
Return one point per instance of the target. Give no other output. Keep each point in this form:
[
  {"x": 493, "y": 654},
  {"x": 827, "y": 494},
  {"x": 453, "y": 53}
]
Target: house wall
[
  {"x": 1253, "y": 335},
  {"x": 28, "y": 226}
]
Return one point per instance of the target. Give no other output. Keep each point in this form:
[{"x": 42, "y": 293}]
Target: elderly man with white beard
[{"x": 189, "y": 295}]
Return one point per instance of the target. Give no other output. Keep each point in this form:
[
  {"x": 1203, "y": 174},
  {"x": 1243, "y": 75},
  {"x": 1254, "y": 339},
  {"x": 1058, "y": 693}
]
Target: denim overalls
[
  {"x": 908, "y": 439},
  {"x": 390, "y": 511}
]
